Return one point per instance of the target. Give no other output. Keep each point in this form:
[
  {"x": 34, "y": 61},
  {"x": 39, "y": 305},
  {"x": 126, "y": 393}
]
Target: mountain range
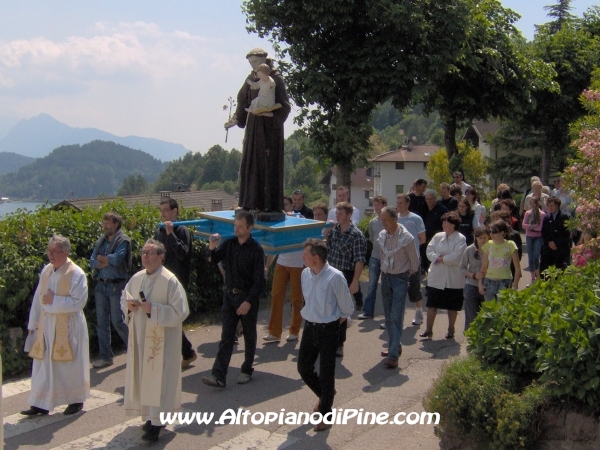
[
  {"x": 88, "y": 170},
  {"x": 38, "y": 136},
  {"x": 11, "y": 162}
]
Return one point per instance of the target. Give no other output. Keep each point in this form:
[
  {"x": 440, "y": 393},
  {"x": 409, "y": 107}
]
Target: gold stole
[
  {"x": 154, "y": 341},
  {"x": 61, "y": 349}
]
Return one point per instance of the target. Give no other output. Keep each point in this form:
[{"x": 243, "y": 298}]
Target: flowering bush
[{"x": 583, "y": 175}]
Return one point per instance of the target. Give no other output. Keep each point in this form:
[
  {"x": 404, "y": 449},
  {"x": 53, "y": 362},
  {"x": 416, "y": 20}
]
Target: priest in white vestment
[
  {"x": 155, "y": 305},
  {"x": 60, "y": 352}
]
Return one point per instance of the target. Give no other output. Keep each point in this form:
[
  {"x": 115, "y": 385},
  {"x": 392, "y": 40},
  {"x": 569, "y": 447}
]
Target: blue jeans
[
  {"x": 492, "y": 287},
  {"x": 374, "y": 271},
  {"x": 393, "y": 293},
  {"x": 108, "y": 308},
  {"x": 473, "y": 301},
  {"x": 534, "y": 250}
]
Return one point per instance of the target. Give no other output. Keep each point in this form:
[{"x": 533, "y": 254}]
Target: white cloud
[
  {"x": 6, "y": 82},
  {"x": 136, "y": 48}
]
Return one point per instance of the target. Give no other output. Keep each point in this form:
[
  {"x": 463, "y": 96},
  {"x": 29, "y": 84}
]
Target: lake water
[{"x": 6, "y": 208}]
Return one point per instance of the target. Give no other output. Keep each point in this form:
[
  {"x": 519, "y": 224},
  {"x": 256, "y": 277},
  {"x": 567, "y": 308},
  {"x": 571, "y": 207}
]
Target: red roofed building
[{"x": 394, "y": 172}]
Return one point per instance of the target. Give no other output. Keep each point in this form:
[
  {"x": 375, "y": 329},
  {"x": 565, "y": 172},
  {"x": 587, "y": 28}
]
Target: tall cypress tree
[{"x": 560, "y": 13}]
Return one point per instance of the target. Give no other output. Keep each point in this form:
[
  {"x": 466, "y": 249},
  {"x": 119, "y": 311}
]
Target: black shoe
[
  {"x": 212, "y": 381},
  {"x": 152, "y": 434},
  {"x": 73, "y": 408},
  {"x": 34, "y": 410},
  {"x": 147, "y": 425}
]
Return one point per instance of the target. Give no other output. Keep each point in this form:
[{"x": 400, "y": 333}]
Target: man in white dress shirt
[{"x": 327, "y": 303}]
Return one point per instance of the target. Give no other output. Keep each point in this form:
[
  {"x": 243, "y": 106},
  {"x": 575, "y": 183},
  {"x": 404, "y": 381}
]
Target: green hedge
[
  {"x": 484, "y": 407},
  {"x": 23, "y": 243},
  {"x": 549, "y": 331}
]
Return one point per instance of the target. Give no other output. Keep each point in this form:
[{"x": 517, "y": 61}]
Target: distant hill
[
  {"x": 80, "y": 171},
  {"x": 6, "y": 123},
  {"x": 37, "y": 136},
  {"x": 11, "y": 162}
]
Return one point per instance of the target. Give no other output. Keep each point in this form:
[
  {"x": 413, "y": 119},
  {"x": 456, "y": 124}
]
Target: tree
[
  {"x": 560, "y": 13},
  {"x": 574, "y": 51},
  {"x": 348, "y": 56},
  {"x": 473, "y": 165},
  {"x": 438, "y": 169},
  {"x": 231, "y": 168},
  {"x": 212, "y": 163},
  {"x": 180, "y": 172},
  {"x": 491, "y": 77},
  {"x": 133, "y": 185}
]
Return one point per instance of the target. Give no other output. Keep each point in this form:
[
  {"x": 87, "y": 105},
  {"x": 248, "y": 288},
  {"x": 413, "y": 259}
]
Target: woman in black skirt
[{"x": 445, "y": 280}]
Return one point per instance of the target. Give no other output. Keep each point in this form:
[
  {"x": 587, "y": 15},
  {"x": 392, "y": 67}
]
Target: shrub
[
  {"x": 23, "y": 242},
  {"x": 481, "y": 406},
  {"x": 548, "y": 331}
]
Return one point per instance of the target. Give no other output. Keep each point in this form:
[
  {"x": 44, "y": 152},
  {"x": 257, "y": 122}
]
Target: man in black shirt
[
  {"x": 299, "y": 206},
  {"x": 432, "y": 220},
  {"x": 243, "y": 261},
  {"x": 178, "y": 259},
  {"x": 417, "y": 198},
  {"x": 446, "y": 200}
]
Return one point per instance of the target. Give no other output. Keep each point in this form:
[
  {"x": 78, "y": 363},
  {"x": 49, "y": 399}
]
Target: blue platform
[{"x": 274, "y": 237}]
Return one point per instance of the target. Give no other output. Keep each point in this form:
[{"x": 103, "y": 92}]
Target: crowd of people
[{"x": 466, "y": 255}]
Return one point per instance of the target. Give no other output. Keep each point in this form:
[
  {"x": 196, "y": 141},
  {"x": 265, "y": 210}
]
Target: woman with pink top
[{"x": 532, "y": 224}]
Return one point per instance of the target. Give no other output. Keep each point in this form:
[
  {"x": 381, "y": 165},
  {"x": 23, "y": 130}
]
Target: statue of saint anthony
[{"x": 261, "y": 172}]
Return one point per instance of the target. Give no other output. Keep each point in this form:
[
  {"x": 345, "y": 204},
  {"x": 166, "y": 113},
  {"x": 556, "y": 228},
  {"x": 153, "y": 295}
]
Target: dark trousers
[
  {"x": 425, "y": 263},
  {"x": 358, "y": 300},
  {"x": 186, "y": 347},
  {"x": 319, "y": 341},
  {"x": 231, "y": 303},
  {"x": 559, "y": 258}
]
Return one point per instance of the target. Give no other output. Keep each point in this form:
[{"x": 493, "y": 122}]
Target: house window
[
  {"x": 399, "y": 188},
  {"x": 369, "y": 172},
  {"x": 367, "y": 192},
  {"x": 399, "y": 165},
  {"x": 333, "y": 187},
  {"x": 425, "y": 165}
]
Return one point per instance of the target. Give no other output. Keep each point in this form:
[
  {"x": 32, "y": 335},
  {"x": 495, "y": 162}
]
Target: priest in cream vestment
[
  {"x": 155, "y": 305},
  {"x": 60, "y": 352}
]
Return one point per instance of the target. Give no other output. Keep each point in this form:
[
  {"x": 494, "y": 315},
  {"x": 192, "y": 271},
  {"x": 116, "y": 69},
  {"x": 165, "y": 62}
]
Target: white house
[
  {"x": 394, "y": 172},
  {"x": 478, "y": 134},
  {"x": 361, "y": 190}
]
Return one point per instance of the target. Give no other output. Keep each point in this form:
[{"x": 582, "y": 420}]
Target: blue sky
[{"x": 147, "y": 68}]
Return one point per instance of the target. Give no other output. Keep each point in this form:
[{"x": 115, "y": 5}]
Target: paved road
[{"x": 362, "y": 381}]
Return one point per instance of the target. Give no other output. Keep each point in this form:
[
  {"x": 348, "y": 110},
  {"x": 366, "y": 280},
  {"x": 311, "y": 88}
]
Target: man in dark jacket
[
  {"x": 178, "y": 259},
  {"x": 556, "y": 248},
  {"x": 110, "y": 262},
  {"x": 432, "y": 219}
]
